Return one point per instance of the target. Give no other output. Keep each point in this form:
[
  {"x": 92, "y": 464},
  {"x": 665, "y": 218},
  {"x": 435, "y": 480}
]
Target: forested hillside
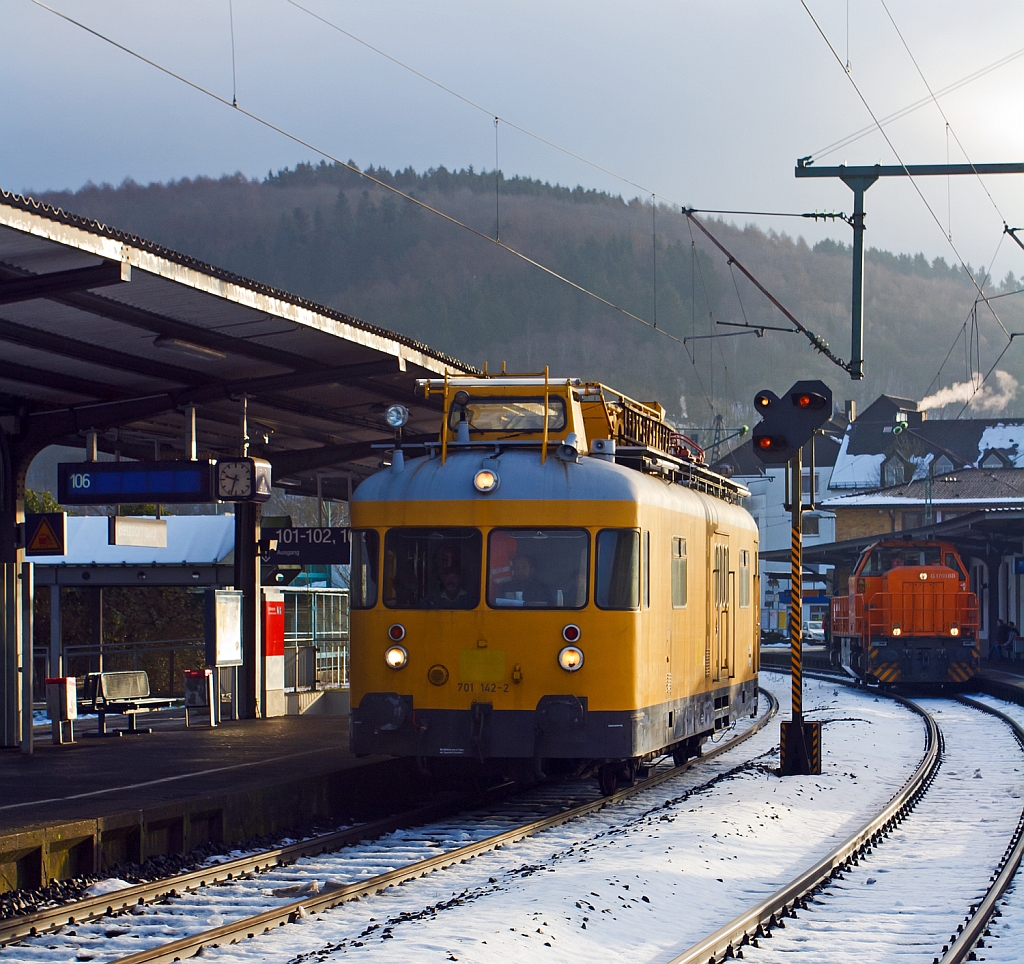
[{"x": 328, "y": 234}]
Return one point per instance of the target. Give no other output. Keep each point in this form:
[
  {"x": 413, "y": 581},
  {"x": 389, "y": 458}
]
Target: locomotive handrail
[{"x": 919, "y": 612}]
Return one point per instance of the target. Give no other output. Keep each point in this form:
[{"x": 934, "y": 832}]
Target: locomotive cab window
[
  {"x": 363, "y": 578},
  {"x": 617, "y": 585},
  {"x": 510, "y": 416},
  {"x": 432, "y": 568},
  {"x": 744, "y": 579},
  {"x": 678, "y": 572},
  {"x": 953, "y": 563},
  {"x": 538, "y": 568}
]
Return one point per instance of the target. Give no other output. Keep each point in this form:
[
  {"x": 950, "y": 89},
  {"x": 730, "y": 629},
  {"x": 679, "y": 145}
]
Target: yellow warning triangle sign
[{"x": 44, "y": 539}]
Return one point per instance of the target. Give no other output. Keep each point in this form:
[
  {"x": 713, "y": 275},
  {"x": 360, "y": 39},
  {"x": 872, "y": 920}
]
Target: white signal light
[
  {"x": 396, "y": 657},
  {"x": 486, "y": 480},
  {"x": 922, "y": 576},
  {"x": 954, "y": 629},
  {"x": 570, "y": 658},
  {"x": 896, "y": 629}
]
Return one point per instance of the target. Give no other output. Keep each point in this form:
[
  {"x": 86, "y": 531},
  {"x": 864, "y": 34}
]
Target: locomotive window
[
  {"x": 363, "y": 579},
  {"x": 744, "y": 579},
  {"x": 951, "y": 563},
  {"x": 887, "y": 558},
  {"x": 618, "y": 569},
  {"x": 510, "y": 415},
  {"x": 538, "y": 568},
  {"x": 678, "y": 572},
  {"x": 432, "y": 568}
]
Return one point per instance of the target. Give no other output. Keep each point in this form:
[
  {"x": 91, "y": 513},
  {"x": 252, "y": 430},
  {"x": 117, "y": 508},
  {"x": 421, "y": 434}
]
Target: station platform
[
  {"x": 90, "y": 805},
  {"x": 1003, "y": 679}
]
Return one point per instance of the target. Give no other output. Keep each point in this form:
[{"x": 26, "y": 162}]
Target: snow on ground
[
  {"x": 1006, "y": 944},
  {"x": 904, "y": 900},
  {"x": 640, "y": 881}
]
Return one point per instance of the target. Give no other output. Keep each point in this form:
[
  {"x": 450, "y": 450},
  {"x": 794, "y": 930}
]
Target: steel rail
[
  {"x": 962, "y": 944},
  {"x": 103, "y": 905},
  {"x": 759, "y": 920},
  {"x": 250, "y": 927}
]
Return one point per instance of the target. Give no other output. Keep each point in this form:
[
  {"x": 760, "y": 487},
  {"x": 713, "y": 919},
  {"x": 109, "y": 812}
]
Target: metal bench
[{"x": 123, "y": 692}]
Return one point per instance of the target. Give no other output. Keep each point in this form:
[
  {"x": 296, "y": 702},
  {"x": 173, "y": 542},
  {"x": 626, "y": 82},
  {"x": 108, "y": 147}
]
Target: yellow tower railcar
[{"x": 558, "y": 579}]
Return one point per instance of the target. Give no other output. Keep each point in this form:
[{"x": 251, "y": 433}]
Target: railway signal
[{"x": 787, "y": 425}]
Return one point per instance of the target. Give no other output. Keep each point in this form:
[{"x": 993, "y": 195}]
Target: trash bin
[
  {"x": 199, "y": 693},
  {"x": 62, "y": 706}
]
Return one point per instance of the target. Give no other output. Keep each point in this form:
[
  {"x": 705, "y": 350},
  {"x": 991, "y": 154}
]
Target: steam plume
[{"x": 989, "y": 398}]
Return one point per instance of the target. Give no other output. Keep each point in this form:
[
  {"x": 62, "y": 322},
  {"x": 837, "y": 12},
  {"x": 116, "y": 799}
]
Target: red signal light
[
  {"x": 809, "y": 401},
  {"x": 764, "y": 443}
]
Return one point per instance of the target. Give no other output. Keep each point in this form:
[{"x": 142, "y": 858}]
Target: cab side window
[
  {"x": 744, "y": 579},
  {"x": 678, "y": 572}
]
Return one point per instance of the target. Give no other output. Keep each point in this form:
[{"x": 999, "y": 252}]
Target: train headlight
[
  {"x": 570, "y": 658},
  {"x": 571, "y": 633},
  {"x": 922, "y": 576},
  {"x": 954, "y": 629},
  {"x": 396, "y": 657},
  {"x": 486, "y": 480},
  {"x": 396, "y": 632},
  {"x": 896, "y": 629}
]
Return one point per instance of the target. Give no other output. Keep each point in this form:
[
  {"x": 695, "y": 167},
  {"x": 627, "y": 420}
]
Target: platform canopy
[{"x": 101, "y": 330}]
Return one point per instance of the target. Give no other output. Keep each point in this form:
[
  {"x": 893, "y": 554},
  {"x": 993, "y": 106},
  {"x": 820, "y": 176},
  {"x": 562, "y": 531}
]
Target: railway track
[
  {"x": 746, "y": 936},
  {"x": 335, "y": 892}
]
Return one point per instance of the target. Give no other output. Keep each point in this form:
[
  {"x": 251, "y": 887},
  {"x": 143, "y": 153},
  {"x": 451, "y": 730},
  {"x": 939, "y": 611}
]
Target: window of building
[
  {"x": 911, "y": 520},
  {"x": 811, "y": 525},
  {"x": 744, "y": 579},
  {"x": 807, "y": 483},
  {"x": 942, "y": 465},
  {"x": 894, "y": 472},
  {"x": 678, "y": 572},
  {"x": 617, "y": 585}
]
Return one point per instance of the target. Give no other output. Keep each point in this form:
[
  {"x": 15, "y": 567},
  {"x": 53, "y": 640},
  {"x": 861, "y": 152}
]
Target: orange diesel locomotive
[{"x": 908, "y": 616}]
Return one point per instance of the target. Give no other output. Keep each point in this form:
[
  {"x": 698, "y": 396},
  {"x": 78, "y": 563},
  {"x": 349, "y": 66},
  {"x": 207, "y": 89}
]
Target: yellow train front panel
[{"x": 578, "y": 609}]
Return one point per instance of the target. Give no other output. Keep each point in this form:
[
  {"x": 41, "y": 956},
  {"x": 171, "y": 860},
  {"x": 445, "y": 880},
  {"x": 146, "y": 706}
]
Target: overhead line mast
[{"x": 858, "y": 180}]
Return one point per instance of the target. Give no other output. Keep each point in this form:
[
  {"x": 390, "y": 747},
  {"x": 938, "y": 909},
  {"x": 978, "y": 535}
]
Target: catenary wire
[
  {"x": 949, "y": 127},
  {"x": 916, "y": 105},
  {"x": 896, "y": 153},
  {"x": 351, "y": 167}
]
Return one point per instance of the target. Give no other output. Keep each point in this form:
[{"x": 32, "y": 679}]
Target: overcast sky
[{"x": 705, "y": 103}]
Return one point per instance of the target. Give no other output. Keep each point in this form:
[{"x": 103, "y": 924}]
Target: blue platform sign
[{"x": 113, "y": 483}]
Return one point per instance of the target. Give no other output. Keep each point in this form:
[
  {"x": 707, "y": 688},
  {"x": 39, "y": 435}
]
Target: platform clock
[{"x": 243, "y": 480}]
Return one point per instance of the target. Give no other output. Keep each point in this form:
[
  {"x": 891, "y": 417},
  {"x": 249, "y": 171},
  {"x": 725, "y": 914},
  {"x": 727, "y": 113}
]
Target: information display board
[
  {"x": 307, "y": 546},
  {"x": 112, "y": 483},
  {"x": 223, "y": 627}
]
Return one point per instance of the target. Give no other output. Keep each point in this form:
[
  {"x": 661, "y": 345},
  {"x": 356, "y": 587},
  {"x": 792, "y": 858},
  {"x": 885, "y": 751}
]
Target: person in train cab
[
  {"x": 525, "y": 581},
  {"x": 451, "y": 593},
  {"x": 897, "y": 562}
]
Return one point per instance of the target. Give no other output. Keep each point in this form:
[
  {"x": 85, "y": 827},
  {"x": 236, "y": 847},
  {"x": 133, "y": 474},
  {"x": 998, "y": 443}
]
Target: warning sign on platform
[{"x": 46, "y": 533}]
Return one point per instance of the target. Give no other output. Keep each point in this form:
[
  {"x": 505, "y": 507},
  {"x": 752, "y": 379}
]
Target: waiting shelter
[{"x": 111, "y": 343}]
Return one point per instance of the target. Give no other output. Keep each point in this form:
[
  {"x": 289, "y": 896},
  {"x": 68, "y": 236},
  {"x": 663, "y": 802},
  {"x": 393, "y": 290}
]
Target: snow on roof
[
  {"x": 1008, "y": 437},
  {"x": 191, "y": 540},
  {"x": 856, "y": 471}
]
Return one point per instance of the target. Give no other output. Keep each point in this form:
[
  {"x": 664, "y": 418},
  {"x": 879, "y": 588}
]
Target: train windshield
[
  {"x": 510, "y": 415},
  {"x": 432, "y": 568},
  {"x": 538, "y": 568},
  {"x": 365, "y": 547},
  {"x": 887, "y": 558},
  {"x": 617, "y": 585}
]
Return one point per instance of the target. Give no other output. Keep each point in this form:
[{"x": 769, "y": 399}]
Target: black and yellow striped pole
[{"x": 796, "y": 586}]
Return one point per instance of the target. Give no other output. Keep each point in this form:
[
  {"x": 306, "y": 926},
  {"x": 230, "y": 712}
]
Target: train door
[
  {"x": 731, "y": 625},
  {"x": 720, "y": 655}
]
